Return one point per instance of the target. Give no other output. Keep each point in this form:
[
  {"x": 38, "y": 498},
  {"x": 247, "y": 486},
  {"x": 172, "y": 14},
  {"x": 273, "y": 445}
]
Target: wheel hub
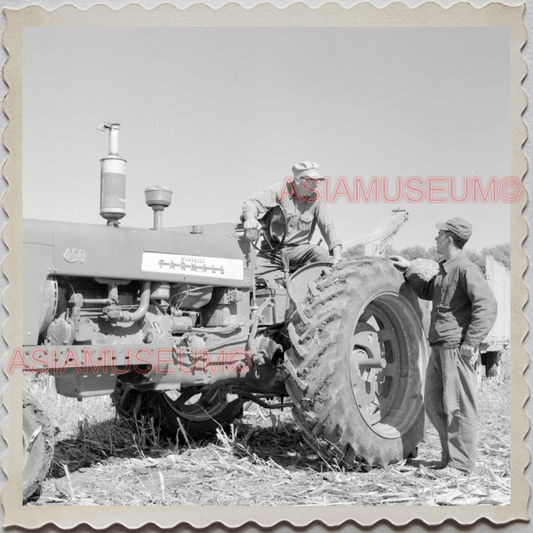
[
  {"x": 367, "y": 363},
  {"x": 376, "y": 371}
]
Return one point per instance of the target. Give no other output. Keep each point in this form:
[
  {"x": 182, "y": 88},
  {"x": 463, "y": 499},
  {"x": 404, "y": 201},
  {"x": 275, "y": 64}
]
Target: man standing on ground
[
  {"x": 296, "y": 204},
  {"x": 464, "y": 311}
]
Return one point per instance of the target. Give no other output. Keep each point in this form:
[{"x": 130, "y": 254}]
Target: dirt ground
[{"x": 100, "y": 460}]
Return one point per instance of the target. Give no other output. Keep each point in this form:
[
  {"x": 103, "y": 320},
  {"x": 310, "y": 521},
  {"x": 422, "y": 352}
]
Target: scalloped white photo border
[{"x": 396, "y": 14}]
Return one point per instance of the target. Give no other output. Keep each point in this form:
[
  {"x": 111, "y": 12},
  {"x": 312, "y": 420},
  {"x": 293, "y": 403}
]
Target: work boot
[{"x": 438, "y": 465}]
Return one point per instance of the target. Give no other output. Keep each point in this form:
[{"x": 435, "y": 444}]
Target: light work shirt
[
  {"x": 303, "y": 216},
  {"x": 464, "y": 307}
]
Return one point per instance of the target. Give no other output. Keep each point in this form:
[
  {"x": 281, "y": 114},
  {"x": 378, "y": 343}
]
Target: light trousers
[
  {"x": 297, "y": 255},
  {"x": 450, "y": 401}
]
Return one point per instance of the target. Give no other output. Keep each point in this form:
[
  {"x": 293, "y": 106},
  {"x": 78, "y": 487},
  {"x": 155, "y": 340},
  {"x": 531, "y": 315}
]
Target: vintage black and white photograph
[{"x": 267, "y": 266}]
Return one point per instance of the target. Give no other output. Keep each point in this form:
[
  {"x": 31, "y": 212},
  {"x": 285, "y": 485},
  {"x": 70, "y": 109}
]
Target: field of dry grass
[{"x": 100, "y": 460}]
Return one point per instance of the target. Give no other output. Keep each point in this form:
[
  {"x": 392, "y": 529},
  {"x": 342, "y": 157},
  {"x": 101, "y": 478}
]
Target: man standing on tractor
[
  {"x": 290, "y": 212},
  {"x": 464, "y": 311}
]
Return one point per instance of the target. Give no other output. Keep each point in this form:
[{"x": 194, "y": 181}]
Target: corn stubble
[{"x": 261, "y": 460}]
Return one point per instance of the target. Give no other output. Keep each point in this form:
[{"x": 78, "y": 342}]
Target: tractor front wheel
[{"x": 198, "y": 413}]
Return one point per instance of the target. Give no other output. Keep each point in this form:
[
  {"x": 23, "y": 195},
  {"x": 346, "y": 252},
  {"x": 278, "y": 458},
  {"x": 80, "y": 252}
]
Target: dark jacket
[{"x": 464, "y": 307}]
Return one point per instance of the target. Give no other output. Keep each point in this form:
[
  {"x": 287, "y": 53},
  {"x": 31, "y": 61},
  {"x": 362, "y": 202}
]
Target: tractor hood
[{"x": 213, "y": 254}]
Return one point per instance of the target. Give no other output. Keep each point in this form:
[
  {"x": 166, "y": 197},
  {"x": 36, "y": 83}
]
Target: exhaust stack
[{"x": 112, "y": 179}]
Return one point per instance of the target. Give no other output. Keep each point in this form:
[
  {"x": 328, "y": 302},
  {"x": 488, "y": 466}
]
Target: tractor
[{"x": 174, "y": 325}]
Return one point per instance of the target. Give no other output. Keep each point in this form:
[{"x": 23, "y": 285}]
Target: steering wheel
[{"x": 274, "y": 229}]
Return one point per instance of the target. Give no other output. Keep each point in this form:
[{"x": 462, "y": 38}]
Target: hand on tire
[{"x": 400, "y": 262}]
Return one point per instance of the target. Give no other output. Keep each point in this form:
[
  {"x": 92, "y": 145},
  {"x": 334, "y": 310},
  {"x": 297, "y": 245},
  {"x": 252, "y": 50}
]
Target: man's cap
[
  {"x": 458, "y": 226},
  {"x": 306, "y": 169}
]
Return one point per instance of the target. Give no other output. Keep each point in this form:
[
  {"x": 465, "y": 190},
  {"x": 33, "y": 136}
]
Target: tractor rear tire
[
  {"x": 357, "y": 364},
  {"x": 200, "y": 415},
  {"x": 37, "y": 442}
]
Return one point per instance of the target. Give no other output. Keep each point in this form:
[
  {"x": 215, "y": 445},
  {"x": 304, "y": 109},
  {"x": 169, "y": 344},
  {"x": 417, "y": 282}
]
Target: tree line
[{"x": 500, "y": 252}]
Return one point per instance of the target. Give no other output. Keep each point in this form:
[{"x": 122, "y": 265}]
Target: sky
[{"x": 217, "y": 114}]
